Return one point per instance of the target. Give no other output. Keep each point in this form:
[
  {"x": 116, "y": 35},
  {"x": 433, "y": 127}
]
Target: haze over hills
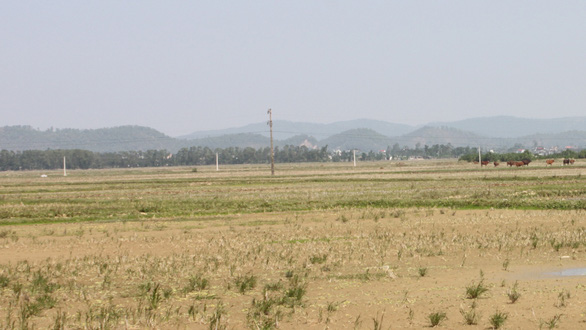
[
  {"x": 121, "y": 138},
  {"x": 284, "y": 129},
  {"x": 509, "y": 126},
  {"x": 361, "y": 134}
]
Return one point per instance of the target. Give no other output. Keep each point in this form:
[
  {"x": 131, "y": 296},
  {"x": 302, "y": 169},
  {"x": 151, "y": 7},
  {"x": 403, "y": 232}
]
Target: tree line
[
  {"x": 513, "y": 156},
  {"x": 193, "y": 156},
  {"x": 83, "y": 159}
]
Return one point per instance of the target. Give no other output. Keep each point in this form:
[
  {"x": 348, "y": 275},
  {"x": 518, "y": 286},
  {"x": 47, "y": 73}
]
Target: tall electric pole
[
  {"x": 270, "y": 112},
  {"x": 479, "y": 157}
]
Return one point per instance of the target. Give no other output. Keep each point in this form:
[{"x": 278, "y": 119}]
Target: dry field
[{"x": 317, "y": 246}]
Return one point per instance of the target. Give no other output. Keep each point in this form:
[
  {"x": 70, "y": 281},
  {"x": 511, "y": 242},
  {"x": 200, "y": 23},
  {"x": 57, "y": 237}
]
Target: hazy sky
[{"x": 185, "y": 66}]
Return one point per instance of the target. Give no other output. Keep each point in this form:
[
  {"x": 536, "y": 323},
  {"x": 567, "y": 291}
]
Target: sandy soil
[{"x": 371, "y": 272}]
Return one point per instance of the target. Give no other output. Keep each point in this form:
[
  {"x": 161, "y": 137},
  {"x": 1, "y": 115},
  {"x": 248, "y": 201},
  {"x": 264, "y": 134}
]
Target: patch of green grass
[
  {"x": 245, "y": 283},
  {"x": 196, "y": 283},
  {"x": 551, "y": 323},
  {"x": 471, "y": 316},
  {"x": 131, "y": 194},
  {"x": 497, "y": 320},
  {"x": 475, "y": 291},
  {"x": 366, "y": 276},
  {"x": 436, "y": 318}
]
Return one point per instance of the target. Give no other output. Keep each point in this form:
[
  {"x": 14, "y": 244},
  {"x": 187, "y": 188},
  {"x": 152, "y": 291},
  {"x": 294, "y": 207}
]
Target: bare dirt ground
[{"x": 356, "y": 268}]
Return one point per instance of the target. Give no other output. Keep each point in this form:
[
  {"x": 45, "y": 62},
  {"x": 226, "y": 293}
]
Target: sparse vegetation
[
  {"x": 471, "y": 316},
  {"x": 563, "y": 298},
  {"x": 245, "y": 283},
  {"x": 475, "y": 291},
  {"x": 551, "y": 323},
  {"x": 436, "y": 318},
  {"x": 155, "y": 248},
  {"x": 513, "y": 294},
  {"x": 497, "y": 320}
]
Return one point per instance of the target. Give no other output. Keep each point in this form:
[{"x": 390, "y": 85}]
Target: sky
[{"x": 186, "y": 66}]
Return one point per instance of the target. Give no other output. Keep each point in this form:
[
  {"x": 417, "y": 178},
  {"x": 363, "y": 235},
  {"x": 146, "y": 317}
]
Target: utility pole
[
  {"x": 354, "y": 153},
  {"x": 64, "y": 167},
  {"x": 270, "y": 112},
  {"x": 217, "y": 163},
  {"x": 479, "y": 157}
]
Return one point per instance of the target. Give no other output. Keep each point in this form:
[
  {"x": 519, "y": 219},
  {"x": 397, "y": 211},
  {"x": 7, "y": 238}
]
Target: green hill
[
  {"x": 122, "y": 138},
  {"x": 138, "y": 138},
  {"x": 363, "y": 139},
  {"x": 440, "y": 135}
]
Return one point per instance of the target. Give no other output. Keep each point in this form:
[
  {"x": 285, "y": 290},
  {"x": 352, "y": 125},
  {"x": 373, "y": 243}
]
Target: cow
[
  {"x": 526, "y": 162},
  {"x": 572, "y": 161},
  {"x": 484, "y": 163},
  {"x": 549, "y": 162},
  {"x": 519, "y": 164},
  {"x": 511, "y": 163},
  {"x": 496, "y": 164},
  {"x": 566, "y": 162}
]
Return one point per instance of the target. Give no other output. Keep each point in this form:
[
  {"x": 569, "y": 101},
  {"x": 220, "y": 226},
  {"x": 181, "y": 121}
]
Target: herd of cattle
[{"x": 525, "y": 162}]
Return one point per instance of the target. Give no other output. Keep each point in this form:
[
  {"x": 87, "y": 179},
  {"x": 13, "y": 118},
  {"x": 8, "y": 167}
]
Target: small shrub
[
  {"x": 60, "y": 320},
  {"x": 378, "y": 322},
  {"x": 318, "y": 259},
  {"x": 196, "y": 282},
  {"x": 562, "y": 297},
  {"x": 497, "y": 320},
  {"x": 155, "y": 297},
  {"x": 471, "y": 316},
  {"x": 4, "y": 281},
  {"x": 245, "y": 283},
  {"x": 332, "y": 306},
  {"x": 262, "y": 314},
  {"x": 151, "y": 293},
  {"x": 40, "y": 283},
  {"x": 422, "y": 271},
  {"x": 294, "y": 295},
  {"x": 474, "y": 291},
  {"x": 216, "y": 317},
  {"x": 534, "y": 240},
  {"x": 273, "y": 286},
  {"x": 46, "y": 301},
  {"x": 551, "y": 323},
  {"x": 513, "y": 294},
  {"x": 436, "y": 318}
]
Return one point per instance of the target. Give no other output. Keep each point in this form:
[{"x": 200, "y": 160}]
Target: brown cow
[
  {"x": 549, "y": 162},
  {"x": 526, "y": 161},
  {"x": 496, "y": 164},
  {"x": 484, "y": 163},
  {"x": 519, "y": 164},
  {"x": 566, "y": 162},
  {"x": 511, "y": 163},
  {"x": 572, "y": 161}
]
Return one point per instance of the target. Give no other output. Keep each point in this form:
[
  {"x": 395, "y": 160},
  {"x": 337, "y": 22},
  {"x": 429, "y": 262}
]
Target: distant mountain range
[
  {"x": 286, "y": 129},
  {"x": 512, "y": 127},
  {"x": 490, "y": 132}
]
